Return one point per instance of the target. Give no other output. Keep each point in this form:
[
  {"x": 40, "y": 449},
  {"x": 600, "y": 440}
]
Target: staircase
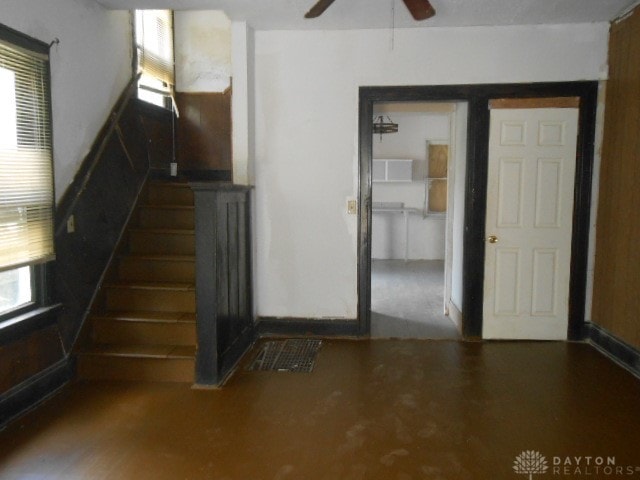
[{"x": 142, "y": 325}]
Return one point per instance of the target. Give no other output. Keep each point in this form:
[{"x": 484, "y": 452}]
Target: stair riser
[
  {"x": 165, "y": 243},
  {"x": 150, "y": 300},
  {"x": 156, "y": 270},
  {"x": 143, "y": 333},
  {"x": 103, "y": 367},
  {"x": 166, "y": 218},
  {"x": 169, "y": 195}
]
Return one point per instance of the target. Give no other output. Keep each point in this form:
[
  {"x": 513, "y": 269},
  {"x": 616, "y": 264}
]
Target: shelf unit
[{"x": 392, "y": 170}]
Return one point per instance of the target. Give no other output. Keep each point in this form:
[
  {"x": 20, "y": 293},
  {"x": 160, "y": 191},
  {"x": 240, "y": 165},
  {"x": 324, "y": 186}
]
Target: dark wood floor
[{"x": 385, "y": 409}]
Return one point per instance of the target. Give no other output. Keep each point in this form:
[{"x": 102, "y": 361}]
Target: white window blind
[
  {"x": 26, "y": 176},
  {"x": 154, "y": 40}
]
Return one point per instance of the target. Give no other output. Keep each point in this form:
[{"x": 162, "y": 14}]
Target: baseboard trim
[
  {"x": 32, "y": 392},
  {"x": 621, "y": 352},
  {"x": 277, "y": 326}
]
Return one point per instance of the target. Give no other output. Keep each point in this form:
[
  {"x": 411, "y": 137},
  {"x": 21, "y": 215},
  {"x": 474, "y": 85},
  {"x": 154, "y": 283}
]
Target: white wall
[
  {"x": 202, "y": 50},
  {"x": 242, "y": 104},
  {"x": 89, "y": 69},
  {"x": 307, "y": 134},
  {"x": 457, "y": 233},
  {"x": 426, "y": 235}
]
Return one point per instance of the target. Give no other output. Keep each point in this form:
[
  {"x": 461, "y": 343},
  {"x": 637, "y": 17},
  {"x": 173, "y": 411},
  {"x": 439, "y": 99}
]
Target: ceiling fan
[{"x": 419, "y": 9}]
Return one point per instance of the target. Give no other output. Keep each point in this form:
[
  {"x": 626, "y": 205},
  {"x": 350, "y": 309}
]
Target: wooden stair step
[
  {"x": 157, "y": 363},
  {"x": 138, "y": 267},
  {"x": 166, "y": 230},
  {"x": 166, "y": 216},
  {"x": 163, "y": 257},
  {"x": 169, "y": 193},
  {"x": 171, "y": 207},
  {"x": 151, "y": 296},
  {"x": 150, "y": 316},
  {"x": 186, "y": 286},
  {"x": 141, "y": 350},
  {"x": 162, "y": 241},
  {"x": 148, "y": 331},
  {"x": 173, "y": 182}
]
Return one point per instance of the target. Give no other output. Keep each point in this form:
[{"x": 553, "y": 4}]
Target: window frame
[
  {"x": 40, "y": 274},
  {"x": 39, "y": 293},
  {"x": 431, "y": 180}
]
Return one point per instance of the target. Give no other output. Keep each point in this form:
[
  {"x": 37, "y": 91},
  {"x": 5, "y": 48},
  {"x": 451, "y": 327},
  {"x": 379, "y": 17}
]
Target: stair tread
[
  {"x": 170, "y": 206},
  {"x": 174, "y": 231},
  {"x": 182, "y": 286},
  {"x": 140, "y": 351},
  {"x": 168, "y": 257},
  {"x": 144, "y": 316},
  {"x": 164, "y": 183}
]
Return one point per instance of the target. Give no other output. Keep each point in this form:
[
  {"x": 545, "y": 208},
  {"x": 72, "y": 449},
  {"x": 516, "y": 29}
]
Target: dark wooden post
[{"x": 224, "y": 311}]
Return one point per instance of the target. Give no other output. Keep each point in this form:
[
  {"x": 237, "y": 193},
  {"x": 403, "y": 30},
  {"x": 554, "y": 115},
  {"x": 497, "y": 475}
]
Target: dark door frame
[{"x": 478, "y": 97}]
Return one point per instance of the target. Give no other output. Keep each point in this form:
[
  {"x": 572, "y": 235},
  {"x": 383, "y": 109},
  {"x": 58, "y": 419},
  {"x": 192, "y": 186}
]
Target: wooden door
[{"x": 532, "y": 157}]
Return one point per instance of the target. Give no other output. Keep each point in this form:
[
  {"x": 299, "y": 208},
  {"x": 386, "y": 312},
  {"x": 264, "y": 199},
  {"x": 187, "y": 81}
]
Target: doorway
[
  {"x": 475, "y": 189},
  {"x": 418, "y": 170}
]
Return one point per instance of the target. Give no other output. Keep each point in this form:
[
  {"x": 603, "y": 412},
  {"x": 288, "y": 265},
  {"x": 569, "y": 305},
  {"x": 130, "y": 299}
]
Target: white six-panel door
[{"x": 532, "y": 158}]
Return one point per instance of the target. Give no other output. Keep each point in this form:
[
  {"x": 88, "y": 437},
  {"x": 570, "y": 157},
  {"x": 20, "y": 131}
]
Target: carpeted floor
[{"x": 407, "y": 300}]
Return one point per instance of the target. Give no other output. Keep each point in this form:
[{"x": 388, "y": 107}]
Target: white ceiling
[{"x": 358, "y": 14}]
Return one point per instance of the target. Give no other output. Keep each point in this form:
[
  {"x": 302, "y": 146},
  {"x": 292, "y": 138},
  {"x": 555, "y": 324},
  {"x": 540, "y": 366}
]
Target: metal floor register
[{"x": 292, "y": 355}]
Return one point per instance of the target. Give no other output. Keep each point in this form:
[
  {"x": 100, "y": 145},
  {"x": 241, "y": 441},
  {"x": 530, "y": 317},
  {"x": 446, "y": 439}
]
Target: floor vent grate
[{"x": 292, "y": 355}]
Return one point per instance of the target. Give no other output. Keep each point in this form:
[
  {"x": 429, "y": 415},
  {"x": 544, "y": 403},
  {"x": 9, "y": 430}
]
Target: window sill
[{"x": 27, "y": 322}]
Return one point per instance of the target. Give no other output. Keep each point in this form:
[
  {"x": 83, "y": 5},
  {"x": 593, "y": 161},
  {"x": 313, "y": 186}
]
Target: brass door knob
[{"x": 492, "y": 239}]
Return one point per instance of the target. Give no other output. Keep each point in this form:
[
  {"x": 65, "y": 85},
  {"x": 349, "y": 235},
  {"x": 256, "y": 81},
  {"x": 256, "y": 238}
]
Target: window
[
  {"x": 26, "y": 173},
  {"x": 154, "y": 47},
  {"x": 437, "y": 178}
]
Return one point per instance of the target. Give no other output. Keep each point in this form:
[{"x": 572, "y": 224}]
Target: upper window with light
[
  {"x": 26, "y": 172},
  {"x": 154, "y": 47}
]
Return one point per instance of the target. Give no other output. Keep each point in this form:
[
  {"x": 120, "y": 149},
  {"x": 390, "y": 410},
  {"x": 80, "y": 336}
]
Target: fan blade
[
  {"x": 420, "y": 9},
  {"x": 319, "y": 8}
]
